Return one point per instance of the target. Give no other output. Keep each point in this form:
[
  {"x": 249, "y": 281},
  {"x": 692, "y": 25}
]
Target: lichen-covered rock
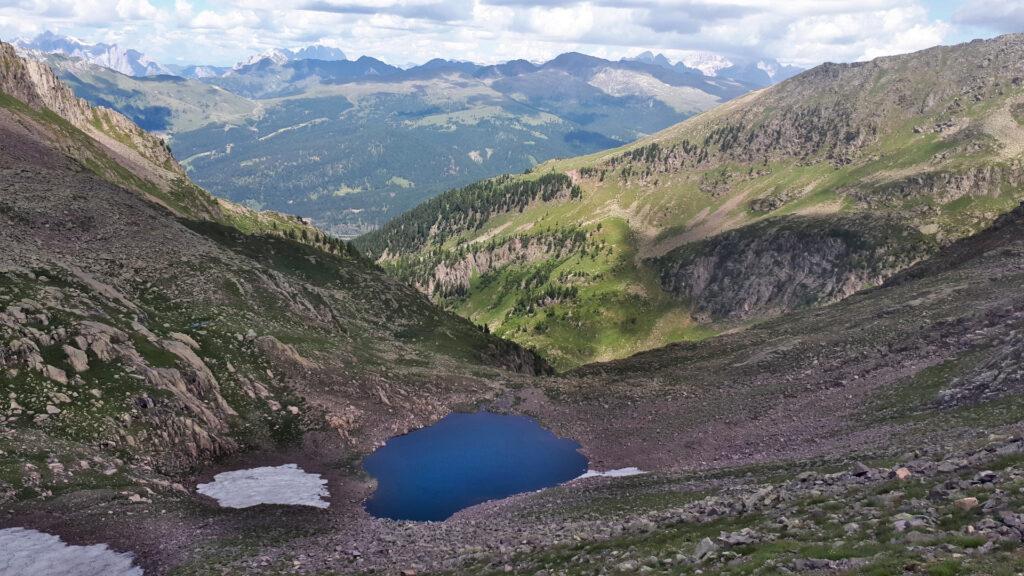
[
  {"x": 77, "y": 359},
  {"x": 284, "y": 354}
]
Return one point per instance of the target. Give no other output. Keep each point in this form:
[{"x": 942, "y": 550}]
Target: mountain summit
[
  {"x": 124, "y": 60},
  {"x": 761, "y": 72},
  {"x": 283, "y": 55}
]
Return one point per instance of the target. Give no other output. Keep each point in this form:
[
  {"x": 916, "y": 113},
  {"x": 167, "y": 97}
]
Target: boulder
[
  {"x": 281, "y": 353},
  {"x": 55, "y": 374},
  {"x": 985, "y": 476},
  {"x": 705, "y": 548},
  {"x": 185, "y": 339},
  {"x": 966, "y": 504},
  {"x": 744, "y": 536},
  {"x": 860, "y": 469},
  {"x": 77, "y": 359}
]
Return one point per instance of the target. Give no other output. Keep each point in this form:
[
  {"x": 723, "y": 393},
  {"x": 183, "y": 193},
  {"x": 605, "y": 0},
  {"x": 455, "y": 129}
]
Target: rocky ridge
[{"x": 35, "y": 84}]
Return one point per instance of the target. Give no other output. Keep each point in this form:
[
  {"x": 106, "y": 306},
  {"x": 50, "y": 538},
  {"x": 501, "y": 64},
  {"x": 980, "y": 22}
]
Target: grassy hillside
[
  {"x": 930, "y": 142},
  {"x": 879, "y": 435}
]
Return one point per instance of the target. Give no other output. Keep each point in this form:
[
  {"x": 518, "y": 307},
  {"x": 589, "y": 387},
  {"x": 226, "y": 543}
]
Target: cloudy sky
[{"x": 801, "y": 32}]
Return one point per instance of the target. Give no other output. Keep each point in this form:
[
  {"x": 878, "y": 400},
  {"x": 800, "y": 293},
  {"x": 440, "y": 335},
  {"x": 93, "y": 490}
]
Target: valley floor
[
  {"x": 950, "y": 508},
  {"x": 880, "y": 435}
]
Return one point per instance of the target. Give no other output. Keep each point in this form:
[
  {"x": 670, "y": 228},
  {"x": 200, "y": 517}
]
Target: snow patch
[
  {"x": 708, "y": 63},
  {"x": 287, "y": 484},
  {"x": 33, "y": 553},
  {"x": 617, "y": 473}
]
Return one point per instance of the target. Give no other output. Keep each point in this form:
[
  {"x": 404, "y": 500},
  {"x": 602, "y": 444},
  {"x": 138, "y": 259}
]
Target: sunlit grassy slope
[{"x": 932, "y": 140}]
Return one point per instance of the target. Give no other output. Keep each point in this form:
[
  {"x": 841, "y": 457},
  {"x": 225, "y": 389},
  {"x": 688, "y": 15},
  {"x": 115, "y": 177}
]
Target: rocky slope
[
  {"x": 112, "y": 146},
  {"x": 918, "y": 378},
  {"x": 35, "y": 84},
  {"x": 927, "y": 142},
  {"x": 786, "y": 263},
  {"x": 145, "y": 332},
  {"x": 878, "y": 435}
]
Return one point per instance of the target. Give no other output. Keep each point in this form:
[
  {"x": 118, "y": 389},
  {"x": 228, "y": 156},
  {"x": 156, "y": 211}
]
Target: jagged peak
[
  {"x": 148, "y": 166},
  {"x": 124, "y": 60}
]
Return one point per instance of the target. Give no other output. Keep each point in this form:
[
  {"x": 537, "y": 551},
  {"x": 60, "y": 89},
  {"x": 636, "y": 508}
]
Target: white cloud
[
  {"x": 137, "y": 10},
  {"x": 999, "y": 15},
  {"x": 182, "y": 9},
  {"x": 232, "y": 19},
  {"x": 566, "y": 23},
  {"x": 859, "y": 35},
  {"x": 804, "y": 32}
]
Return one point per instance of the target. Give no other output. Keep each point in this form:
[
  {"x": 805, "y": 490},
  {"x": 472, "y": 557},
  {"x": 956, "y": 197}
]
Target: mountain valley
[
  {"x": 353, "y": 143},
  {"x": 783, "y": 336}
]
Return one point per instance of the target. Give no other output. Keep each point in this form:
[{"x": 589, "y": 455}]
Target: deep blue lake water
[{"x": 466, "y": 459}]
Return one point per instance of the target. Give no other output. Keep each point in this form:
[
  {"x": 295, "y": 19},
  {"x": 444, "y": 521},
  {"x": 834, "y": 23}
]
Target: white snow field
[
  {"x": 32, "y": 553},
  {"x": 287, "y": 484},
  {"x": 617, "y": 473}
]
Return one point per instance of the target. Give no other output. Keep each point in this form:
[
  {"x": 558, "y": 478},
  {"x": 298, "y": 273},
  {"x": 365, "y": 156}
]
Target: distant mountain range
[
  {"x": 125, "y": 61},
  {"x": 352, "y": 143},
  {"x": 135, "y": 63},
  {"x": 280, "y": 56},
  {"x": 763, "y": 72},
  {"x": 276, "y": 56}
]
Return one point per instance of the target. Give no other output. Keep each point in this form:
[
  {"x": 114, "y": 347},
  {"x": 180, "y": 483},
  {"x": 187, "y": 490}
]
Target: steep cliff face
[
  {"x": 933, "y": 195},
  {"x": 35, "y": 84},
  {"x": 452, "y": 275},
  {"x": 783, "y": 264}
]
